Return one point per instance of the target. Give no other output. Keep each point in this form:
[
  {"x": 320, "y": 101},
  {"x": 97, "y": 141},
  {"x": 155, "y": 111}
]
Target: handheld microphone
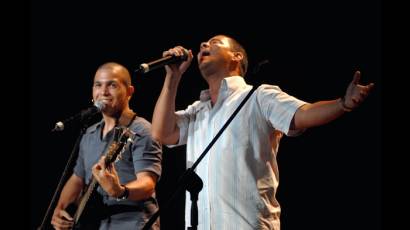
[
  {"x": 147, "y": 67},
  {"x": 86, "y": 113}
]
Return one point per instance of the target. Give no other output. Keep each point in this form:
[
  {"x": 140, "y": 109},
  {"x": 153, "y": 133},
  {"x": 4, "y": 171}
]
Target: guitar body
[{"x": 91, "y": 215}]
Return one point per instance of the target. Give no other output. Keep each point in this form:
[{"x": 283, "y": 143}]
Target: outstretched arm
[
  {"x": 322, "y": 112},
  {"x": 164, "y": 125}
]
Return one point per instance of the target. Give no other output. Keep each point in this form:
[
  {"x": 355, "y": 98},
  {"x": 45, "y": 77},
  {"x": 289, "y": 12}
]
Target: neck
[
  {"x": 214, "y": 82},
  {"x": 214, "y": 85},
  {"x": 123, "y": 119},
  {"x": 109, "y": 123},
  {"x": 126, "y": 117}
]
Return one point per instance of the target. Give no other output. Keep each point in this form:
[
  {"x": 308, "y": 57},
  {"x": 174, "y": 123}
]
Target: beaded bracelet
[{"x": 344, "y": 107}]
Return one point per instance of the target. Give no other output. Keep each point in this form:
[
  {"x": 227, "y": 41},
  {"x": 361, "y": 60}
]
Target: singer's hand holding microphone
[{"x": 176, "y": 61}]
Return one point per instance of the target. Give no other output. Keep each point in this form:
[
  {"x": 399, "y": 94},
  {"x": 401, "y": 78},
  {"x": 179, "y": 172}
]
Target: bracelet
[
  {"x": 344, "y": 107},
  {"x": 125, "y": 195}
]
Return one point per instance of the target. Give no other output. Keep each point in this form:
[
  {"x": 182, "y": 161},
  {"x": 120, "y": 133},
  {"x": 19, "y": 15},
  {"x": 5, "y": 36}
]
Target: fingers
[
  {"x": 190, "y": 55},
  {"x": 107, "y": 177},
  {"x": 112, "y": 170},
  {"x": 363, "y": 92},
  {"x": 176, "y": 51},
  {"x": 102, "y": 161},
  {"x": 104, "y": 173},
  {"x": 99, "y": 168},
  {"x": 356, "y": 101},
  {"x": 62, "y": 220},
  {"x": 177, "y": 69},
  {"x": 370, "y": 86},
  {"x": 356, "y": 77},
  {"x": 65, "y": 214}
]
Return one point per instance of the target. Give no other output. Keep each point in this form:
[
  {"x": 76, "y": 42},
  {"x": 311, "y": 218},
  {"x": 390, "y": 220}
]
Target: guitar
[{"x": 118, "y": 146}]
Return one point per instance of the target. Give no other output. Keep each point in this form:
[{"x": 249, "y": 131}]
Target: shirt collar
[
  {"x": 96, "y": 126},
  {"x": 228, "y": 86}
]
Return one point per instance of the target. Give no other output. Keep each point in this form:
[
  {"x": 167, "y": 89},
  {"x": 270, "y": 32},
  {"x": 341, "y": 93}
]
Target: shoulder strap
[{"x": 223, "y": 128}]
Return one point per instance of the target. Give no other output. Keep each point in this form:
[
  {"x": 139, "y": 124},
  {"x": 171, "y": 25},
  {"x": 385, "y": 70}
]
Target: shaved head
[{"x": 119, "y": 70}]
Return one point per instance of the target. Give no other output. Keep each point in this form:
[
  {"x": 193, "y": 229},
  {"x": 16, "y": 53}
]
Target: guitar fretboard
[{"x": 110, "y": 157}]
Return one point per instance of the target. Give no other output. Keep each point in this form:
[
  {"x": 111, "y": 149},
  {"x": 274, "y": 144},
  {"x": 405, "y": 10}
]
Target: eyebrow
[
  {"x": 215, "y": 39},
  {"x": 107, "y": 82}
]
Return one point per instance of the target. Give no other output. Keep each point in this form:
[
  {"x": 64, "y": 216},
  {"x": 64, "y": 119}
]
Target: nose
[
  {"x": 204, "y": 45},
  {"x": 105, "y": 90}
]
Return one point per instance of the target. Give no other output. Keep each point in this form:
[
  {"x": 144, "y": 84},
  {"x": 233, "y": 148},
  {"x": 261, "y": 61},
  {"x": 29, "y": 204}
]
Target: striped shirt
[{"x": 239, "y": 172}]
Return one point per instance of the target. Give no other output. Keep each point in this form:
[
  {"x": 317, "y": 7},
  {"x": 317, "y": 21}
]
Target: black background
[{"x": 330, "y": 177}]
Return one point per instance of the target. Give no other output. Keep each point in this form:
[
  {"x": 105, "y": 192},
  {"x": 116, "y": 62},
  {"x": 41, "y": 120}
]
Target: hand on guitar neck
[
  {"x": 104, "y": 171},
  {"x": 107, "y": 177}
]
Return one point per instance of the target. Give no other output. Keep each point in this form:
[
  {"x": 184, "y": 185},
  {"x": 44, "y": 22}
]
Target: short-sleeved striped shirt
[{"x": 240, "y": 172}]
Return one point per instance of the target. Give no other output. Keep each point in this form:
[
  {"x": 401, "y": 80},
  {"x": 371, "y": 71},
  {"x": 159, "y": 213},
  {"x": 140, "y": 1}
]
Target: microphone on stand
[{"x": 86, "y": 113}]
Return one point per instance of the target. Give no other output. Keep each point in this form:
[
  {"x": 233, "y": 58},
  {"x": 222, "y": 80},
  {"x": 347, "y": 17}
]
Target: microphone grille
[
  {"x": 100, "y": 105},
  {"x": 185, "y": 56}
]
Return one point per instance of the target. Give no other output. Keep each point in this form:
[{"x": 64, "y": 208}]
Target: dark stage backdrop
[{"x": 330, "y": 177}]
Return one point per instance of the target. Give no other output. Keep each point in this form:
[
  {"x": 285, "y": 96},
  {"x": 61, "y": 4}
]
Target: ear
[
  {"x": 130, "y": 91},
  {"x": 237, "y": 56}
]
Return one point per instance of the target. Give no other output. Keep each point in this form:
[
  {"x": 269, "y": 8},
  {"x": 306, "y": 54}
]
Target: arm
[
  {"x": 71, "y": 191},
  {"x": 139, "y": 189},
  {"x": 322, "y": 112},
  {"x": 164, "y": 125},
  {"x": 143, "y": 187}
]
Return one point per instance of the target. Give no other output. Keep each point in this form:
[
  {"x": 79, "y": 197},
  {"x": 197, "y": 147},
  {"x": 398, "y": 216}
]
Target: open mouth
[{"x": 204, "y": 53}]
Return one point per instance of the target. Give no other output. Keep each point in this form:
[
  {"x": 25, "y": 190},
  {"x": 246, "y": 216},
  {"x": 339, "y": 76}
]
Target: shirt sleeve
[
  {"x": 183, "y": 119},
  {"x": 147, "y": 155},
  {"x": 79, "y": 168},
  {"x": 278, "y": 108}
]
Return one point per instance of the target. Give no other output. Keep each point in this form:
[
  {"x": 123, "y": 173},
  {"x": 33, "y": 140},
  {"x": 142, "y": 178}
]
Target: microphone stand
[
  {"x": 194, "y": 187},
  {"x": 65, "y": 175}
]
